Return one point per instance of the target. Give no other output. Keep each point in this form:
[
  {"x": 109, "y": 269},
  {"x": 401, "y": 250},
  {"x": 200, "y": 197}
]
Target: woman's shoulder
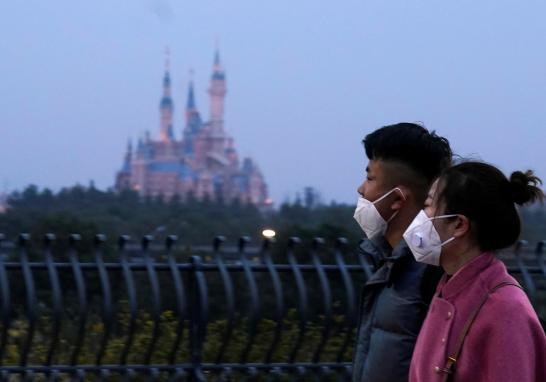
[
  {"x": 506, "y": 299},
  {"x": 495, "y": 274},
  {"x": 508, "y": 307}
]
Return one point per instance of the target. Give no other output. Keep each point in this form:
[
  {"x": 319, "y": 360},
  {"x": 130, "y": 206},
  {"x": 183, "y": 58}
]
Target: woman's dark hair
[{"x": 487, "y": 198}]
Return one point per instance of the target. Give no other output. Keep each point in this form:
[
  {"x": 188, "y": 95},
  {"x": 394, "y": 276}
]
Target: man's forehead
[
  {"x": 373, "y": 165},
  {"x": 387, "y": 165},
  {"x": 380, "y": 166},
  {"x": 390, "y": 171}
]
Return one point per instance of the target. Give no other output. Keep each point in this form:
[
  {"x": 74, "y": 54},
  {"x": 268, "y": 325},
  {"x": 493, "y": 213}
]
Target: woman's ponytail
[{"x": 524, "y": 187}]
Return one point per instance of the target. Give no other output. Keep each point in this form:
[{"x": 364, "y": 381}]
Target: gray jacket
[{"x": 393, "y": 306}]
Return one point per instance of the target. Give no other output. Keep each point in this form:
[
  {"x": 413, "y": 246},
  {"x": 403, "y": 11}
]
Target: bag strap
[{"x": 452, "y": 359}]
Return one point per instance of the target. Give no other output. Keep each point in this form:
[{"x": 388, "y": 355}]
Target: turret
[
  {"x": 166, "y": 106},
  {"x": 217, "y": 92},
  {"x": 128, "y": 157},
  {"x": 191, "y": 108},
  {"x": 123, "y": 177},
  {"x": 193, "y": 119}
]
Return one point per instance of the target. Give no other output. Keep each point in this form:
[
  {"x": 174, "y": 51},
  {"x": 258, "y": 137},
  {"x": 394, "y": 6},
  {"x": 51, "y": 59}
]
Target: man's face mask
[
  {"x": 423, "y": 239},
  {"x": 369, "y": 218}
]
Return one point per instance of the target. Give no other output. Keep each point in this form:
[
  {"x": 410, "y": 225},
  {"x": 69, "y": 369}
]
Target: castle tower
[
  {"x": 123, "y": 177},
  {"x": 217, "y": 92},
  {"x": 128, "y": 156},
  {"x": 166, "y": 107},
  {"x": 190, "y": 104},
  {"x": 193, "y": 119}
]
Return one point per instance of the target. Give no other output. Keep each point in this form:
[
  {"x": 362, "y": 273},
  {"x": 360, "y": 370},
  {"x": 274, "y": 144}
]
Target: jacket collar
[
  {"x": 382, "y": 256},
  {"x": 377, "y": 248},
  {"x": 456, "y": 283}
]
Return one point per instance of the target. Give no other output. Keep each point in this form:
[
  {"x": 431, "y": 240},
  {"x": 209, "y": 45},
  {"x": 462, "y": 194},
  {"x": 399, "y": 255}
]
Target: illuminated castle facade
[{"x": 203, "y": 163}]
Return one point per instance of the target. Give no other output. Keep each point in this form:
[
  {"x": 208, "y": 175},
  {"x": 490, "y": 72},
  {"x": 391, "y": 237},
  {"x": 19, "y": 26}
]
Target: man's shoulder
[
  {"x": 374, "y": 251},
  {"x": 408, "y": 271},
  {"x": 377, "y": 244}
]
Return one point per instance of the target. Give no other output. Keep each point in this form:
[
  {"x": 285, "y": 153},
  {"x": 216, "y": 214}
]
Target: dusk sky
[{"x": 307, "y": 80}]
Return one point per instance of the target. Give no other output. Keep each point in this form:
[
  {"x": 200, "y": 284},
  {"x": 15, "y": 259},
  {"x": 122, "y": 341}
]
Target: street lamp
[{"x": 268, "y": 233}]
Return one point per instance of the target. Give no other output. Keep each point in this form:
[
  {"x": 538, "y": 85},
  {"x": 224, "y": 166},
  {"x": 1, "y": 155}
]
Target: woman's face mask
[
  {"x": 423, "y": 239},
  {"x": 369, "y": 218}
]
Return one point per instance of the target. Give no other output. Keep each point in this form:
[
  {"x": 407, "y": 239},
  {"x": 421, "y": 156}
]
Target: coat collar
[
  {"x": 456, "y": 283},
  {"x": 382, "y": 256}
]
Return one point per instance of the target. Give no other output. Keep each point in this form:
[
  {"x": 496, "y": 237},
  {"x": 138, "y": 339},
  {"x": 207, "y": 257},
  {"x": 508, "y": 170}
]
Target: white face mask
[
  {"x": 369, "y": 218},
  {"x": 423, "y": 239}
]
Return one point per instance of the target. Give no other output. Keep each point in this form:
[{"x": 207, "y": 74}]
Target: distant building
[
  {"x": 3, "y": 202},
  {"x": 203, "y": 163}
]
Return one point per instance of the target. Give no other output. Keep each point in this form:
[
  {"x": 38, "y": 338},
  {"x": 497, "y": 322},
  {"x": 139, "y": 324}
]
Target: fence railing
[{"x": 165, "y": 313}]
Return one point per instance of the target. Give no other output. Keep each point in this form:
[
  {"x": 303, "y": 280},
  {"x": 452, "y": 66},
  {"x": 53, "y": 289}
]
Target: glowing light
[{"x": 269, "y": 233}]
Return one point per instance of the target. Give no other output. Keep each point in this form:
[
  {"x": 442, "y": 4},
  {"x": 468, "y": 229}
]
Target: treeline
[{"x": 88, "y": 211}]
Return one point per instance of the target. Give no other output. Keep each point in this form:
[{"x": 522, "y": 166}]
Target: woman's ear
[{"x": 462, "y": 226}]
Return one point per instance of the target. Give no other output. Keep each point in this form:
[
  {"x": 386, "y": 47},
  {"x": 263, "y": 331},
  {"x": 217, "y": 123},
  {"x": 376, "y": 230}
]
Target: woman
[{"x": 480, "y": 325}]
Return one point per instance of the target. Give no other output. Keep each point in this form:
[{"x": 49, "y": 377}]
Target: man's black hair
[{"x": 412, "y": 145}]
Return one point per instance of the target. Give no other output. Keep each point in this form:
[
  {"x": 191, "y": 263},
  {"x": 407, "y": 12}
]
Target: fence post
[
  {"x": 198, "y": 311},
  {"x": 527, "y": 279}
]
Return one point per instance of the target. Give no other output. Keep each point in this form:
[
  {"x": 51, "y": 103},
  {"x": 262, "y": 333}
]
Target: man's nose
[{"x": 360, "y": 189}]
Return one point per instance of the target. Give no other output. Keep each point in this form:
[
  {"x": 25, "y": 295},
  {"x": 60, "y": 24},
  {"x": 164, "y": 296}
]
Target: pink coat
[{"x": 504, "y": 344}]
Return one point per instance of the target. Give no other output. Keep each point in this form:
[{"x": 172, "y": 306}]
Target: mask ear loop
[
  {"x": 447, "y": 241},
  {"x": 445, "y": 217},
  {"x": 387, "y": 194}
]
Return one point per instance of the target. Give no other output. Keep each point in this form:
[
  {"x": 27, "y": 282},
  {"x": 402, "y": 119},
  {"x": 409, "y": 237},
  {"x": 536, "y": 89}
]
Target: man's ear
[
  {"x": 462, "y": 226},
  {"x": 401, "y": 195}
]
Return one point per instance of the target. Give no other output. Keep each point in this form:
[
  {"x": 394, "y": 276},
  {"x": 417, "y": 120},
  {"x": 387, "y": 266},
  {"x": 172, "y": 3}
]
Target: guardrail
[{"x": 158, "y": 313}]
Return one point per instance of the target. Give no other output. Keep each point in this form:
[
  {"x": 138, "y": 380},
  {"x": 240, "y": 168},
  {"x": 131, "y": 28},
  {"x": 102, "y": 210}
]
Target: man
[{"x": 404, "y": 160}]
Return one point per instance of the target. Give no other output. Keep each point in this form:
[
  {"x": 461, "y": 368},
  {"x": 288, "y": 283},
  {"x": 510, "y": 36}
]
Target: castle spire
[
  {"x": 128, "y": 157},
  {"x": 166, "y": 105},
  {"x": 217, "y": 57},
  {"x": 191, "y": 96},
  {"x": 217, "y": 93},
  {"x": 217, "y": 70},
  {"x": 193, "y": 120},
  {"x": 217, "y": 52}
]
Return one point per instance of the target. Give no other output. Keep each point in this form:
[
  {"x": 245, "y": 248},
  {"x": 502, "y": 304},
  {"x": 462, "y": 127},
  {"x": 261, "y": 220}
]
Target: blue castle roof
[
  {"x": 218, "y": 76},
  {"x": 126, "y": 167},
  {"x": 241, "y": 182},
  {"x": 174, "y": 167},
  {"x": 166, "y": 102}
]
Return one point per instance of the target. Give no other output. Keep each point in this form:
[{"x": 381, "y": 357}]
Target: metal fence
[{"x": 166, "y": 313}]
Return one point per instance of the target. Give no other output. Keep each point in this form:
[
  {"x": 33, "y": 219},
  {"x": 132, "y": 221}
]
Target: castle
[{"x": 203, "y": 163}]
